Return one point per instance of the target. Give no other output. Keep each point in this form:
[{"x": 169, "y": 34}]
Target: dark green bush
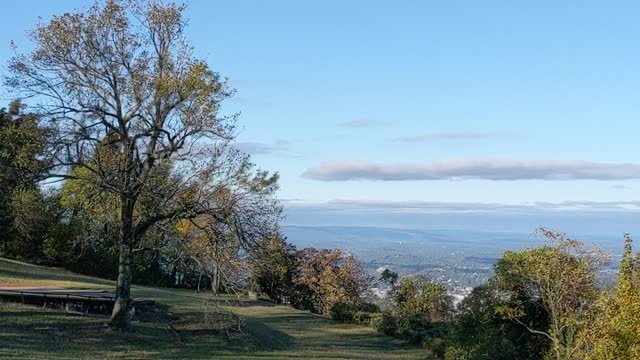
[
  {"x": 342, "y": 312},
  {"x": 416, "y": 329},
  {"x": 354, "y": 313},
  {"x": 367, "y": 307},
  {"x": 362, "y": 318},
  {"x": 375, "y": 319},
  {"x": 388, "y": 324},
  {"x": 412, "y": 328},
  {"x": 456, "y": 353},
  {"x": 438, "y": 346}
]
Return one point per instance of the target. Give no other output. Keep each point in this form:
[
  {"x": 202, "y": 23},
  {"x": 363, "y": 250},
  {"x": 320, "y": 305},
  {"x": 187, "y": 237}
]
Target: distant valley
[{"x": 460, "y": 259}]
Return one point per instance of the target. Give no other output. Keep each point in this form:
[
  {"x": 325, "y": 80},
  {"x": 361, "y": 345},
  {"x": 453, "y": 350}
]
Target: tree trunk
[
  {"x": 123, "y": 308},
  {"x": 215, "y": 280},
  {"x": 174, "y": 273}
]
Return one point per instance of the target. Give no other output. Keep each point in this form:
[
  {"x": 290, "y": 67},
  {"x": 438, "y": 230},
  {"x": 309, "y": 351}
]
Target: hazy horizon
[{"x": 612, "y": 220}]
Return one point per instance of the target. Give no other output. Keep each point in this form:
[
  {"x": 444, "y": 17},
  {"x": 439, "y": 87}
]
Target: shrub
[
  {"x": 438, "y": 346},
  {"x": 411, "y": 328},
  {"x": 57, "y": 246},
  {"x": 375, "y": 319},
  {"x": 368, "y": 307},
  {"x": 388, "y": 324},
  {"x": 354, "y": 313},
  {"x": 362, "y": 318},
  {"x": 456, "y": 353},
  {"x": 416, "y": 329},
  {"x": 342, "y": 312}
]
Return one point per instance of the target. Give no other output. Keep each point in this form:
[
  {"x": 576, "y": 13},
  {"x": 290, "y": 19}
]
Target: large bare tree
[{"x": 136, "y": 115}]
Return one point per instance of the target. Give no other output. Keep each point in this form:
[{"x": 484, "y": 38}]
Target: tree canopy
[
  {"x": 22, "y": 146},
  {"x": 614, "y": 332},
  {"x": 129, "y": 103}
]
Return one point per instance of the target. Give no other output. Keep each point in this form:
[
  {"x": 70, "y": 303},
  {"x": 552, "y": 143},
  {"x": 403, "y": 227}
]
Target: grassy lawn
[
  {"x": 15, "y": 273},
  {"x": 272, "y": 332}
]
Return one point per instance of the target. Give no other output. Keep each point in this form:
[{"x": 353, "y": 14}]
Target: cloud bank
[
  {"x": 434, "y": 207},
  {"x": 469, "y": 169}
]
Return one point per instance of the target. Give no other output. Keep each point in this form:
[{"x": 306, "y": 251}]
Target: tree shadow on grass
[
  {"x": 49, "y": 334},
  {"x": 268, "y": 338},
  {"x": 313, "y": 332},
  {"x": 46, "y": 332}
]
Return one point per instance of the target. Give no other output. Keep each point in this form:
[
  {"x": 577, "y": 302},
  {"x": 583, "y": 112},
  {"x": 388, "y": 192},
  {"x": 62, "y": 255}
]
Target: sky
[{"x": 486, "y": 104}]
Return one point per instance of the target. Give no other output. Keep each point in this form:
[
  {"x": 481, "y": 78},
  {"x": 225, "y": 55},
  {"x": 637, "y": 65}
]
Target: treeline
[
  {"x": 73, "y": 224},
  {"x": 64, "y": 224}
]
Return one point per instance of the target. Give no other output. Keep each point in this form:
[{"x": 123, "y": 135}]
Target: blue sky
[{"x": 358, "y": 90}]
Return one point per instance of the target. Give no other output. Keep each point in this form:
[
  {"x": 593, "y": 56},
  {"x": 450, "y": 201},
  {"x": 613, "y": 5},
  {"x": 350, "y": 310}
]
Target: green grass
[
  {"x": 272, "y": 332},
  {"x": 15, "y": 273}
]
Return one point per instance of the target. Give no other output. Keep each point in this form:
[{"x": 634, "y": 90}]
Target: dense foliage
[
  {"x": 614, "y": 332},
  {"x": 310, "y": 279},
  {"x": 136, "y": 121},
  {"x": 23, "y": 216}
]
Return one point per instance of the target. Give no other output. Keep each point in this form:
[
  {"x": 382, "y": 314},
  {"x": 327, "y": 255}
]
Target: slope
[{"x": 272, "y": 332}]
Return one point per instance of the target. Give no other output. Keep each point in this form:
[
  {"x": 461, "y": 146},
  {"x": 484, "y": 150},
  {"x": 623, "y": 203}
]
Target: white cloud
[{"x": 478, "y": 168}]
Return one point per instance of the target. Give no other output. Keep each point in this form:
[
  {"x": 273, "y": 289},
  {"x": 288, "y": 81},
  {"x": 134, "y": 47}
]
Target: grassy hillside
[{"x": 272, "y": 332}]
